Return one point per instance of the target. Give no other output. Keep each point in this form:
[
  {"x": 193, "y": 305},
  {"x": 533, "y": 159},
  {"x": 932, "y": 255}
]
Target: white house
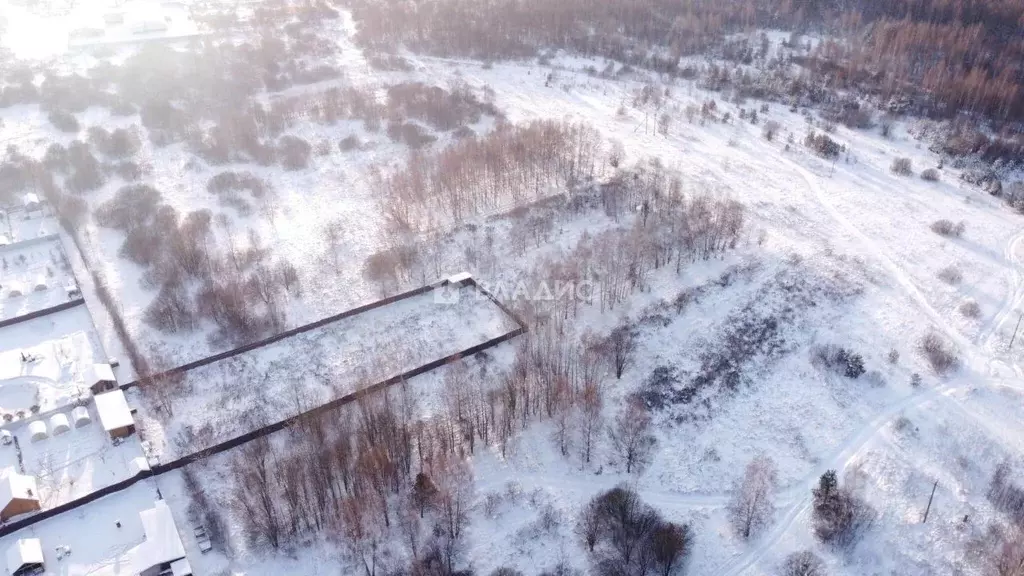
[
  {"x": 162, "y": 550},
  {"x": 115, "y": 416},
  {"x": 100, "y": 378},
  {"x": 18, "y": 494},
  {"x": 25, "y": 557}
]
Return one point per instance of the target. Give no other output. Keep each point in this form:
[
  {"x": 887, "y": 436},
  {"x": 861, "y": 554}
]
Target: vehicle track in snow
[{"x": 979, "y": 360}]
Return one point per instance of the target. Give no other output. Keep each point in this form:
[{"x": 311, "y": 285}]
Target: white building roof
[
  {"x": 24, "y": 551},
  {"x": 59, "y": 423},
  {"x": 99, "y": 373},
  {"x": 138, "y": 465},
  {"x": 81, "y": 416},
  {"x": 37, "y": 430},
  {"x": 181, "y": 568},
  {"x": 16, "y": 486},
  {"x": 3, "y": 240},
  {"x": 113, "y": 410},
  {"x": 163, "y": 544},
  {"x": 31, "y": 198}
]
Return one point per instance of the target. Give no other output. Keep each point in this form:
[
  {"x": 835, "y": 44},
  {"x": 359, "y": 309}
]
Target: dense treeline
[
  {"x": 938, "y": 58},
  {"x": 510, "y": 166}
]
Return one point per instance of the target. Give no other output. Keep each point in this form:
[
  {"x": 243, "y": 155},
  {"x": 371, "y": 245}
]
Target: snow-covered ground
[
  {"x": 836, "y": 251},
  {"x": 230, "y": 397}
]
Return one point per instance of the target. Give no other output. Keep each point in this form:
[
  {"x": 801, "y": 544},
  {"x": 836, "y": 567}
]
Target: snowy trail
[{"x": 980, "y": 359}]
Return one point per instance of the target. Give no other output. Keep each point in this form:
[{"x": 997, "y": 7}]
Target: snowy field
[
  {"x": 838, "y": 251},
  {"x": 225, "y": 399},
  {"x": 44, "y": 362}
]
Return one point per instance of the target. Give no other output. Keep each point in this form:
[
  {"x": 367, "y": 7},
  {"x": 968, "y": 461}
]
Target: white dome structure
[
  {"x": 59, "y": 423},
  {"x": 37, "y": 431},
  {"x": 80, "y": 416}
]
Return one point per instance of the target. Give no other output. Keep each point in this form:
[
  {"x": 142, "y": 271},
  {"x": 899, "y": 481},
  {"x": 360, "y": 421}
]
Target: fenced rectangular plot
[
  {"x": 35, "y": 278},
  {"x": 205, "y": 405}
]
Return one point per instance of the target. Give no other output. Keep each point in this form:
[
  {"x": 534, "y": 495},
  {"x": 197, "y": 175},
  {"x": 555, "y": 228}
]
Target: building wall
[{"x": 19, "y": 506}]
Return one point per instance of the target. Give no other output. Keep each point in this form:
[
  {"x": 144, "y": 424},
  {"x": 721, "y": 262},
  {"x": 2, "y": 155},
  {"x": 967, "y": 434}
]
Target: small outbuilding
[
  {"x": 4, "y": 240},
  {"x": 6, "y": 438},
  {"x": 100, "y": 378},
  {"x": 138, "y": 465},
  {"x": 25, "y": 557},
  {"x": 80, "y": 416},
  {"x": 115, "y": 416},
  {"x": 31, "y": 202},
  {"x": 59, "y": 424},
  {"x": 18, "y": 494},
  {"x": 37, "y": 431}
]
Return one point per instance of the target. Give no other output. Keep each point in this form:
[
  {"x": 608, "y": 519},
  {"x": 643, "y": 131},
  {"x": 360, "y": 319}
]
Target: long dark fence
[
  {"x": 43, "y": 312},
  {"x": 306, "y": 328},
  {"x": 335, "y": 404}
]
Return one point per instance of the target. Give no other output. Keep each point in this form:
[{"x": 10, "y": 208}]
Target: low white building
[
  {"x": 59, "y": 423},
  {"x": 162, "y": 550},
  {"x": 25, "y": 557},
  {"x": 18, "y": 494},
  {"x": 80, "y": 416},
  {"x": 37, "y": 430},
  {"x": 115, "y": 416},
  {"x": 100, "y": 378},
  {"x": 31, "y": 202}
]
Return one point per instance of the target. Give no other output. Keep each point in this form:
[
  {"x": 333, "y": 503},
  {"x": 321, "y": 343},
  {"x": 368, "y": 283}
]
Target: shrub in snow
[
  {"x": 660, "y": 388},
  {"x": 63, "y": 121},
  {"x": 930, "y": 174},
  {"x": 822, "y": 145},
  {"x": 838, "y": 360},
  {"x": 901, "y": 167},
  {"x": 87, "y": 173},
  {"x": 769, "y": 130},
  {"x": 839, "y": 516},
  {"x": 893, "y": 356},
  {"x": 970, "y": 309},
  {"x": 803, "y": 563},
  {"x": 938, "y": 353},
  {"x": 293, "y": 152},
  {"x": 948, "y": 228},
  {"x": 950, "y": 275},
  {"x": 915, "y": 380},
  {"x": 131, "y": 207},
  {"x": 624, "y": 535},
  {"x": 1006, "y": 496},
  {"x": 411, "y": 134},
  {"x": 349, "y": 143}
]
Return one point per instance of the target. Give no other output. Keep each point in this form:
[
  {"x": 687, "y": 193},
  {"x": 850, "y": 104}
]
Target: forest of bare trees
[
  {"x": 937, "y": 57},
  {"x": 510, "y": 166}
]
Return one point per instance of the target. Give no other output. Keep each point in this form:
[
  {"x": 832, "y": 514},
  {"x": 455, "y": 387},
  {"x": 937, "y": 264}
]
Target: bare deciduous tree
[
  {"x": 752, "y": 507},
  {"x": 630, "y": 436}
]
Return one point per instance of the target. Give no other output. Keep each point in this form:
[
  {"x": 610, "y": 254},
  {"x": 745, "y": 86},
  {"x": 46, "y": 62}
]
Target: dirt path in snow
[{"x": 981, "y": 359}]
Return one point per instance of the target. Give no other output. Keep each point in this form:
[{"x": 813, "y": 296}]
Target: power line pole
[
  {"x": 1015, "y": 329},
  {"x": 929, "y": 507}
]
